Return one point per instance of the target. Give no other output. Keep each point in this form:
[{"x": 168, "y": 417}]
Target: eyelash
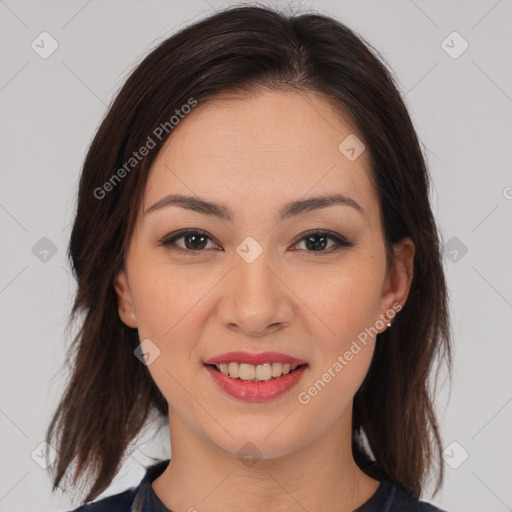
[{"x": 169, "y": 241}]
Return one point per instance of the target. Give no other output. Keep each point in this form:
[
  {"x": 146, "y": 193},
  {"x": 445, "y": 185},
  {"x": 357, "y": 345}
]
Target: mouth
[
  {"x": 260, "y": 383},
  {"x": 255, "y": 373}
]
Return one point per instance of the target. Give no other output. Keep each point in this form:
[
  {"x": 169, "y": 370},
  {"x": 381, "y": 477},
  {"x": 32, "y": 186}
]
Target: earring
[{"x": 388, "y": 323}]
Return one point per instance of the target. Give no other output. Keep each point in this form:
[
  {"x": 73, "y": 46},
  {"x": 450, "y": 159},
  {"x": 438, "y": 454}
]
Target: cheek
[
  {"x": 168, "y": 299},
  {"x": 345, "y": 300},
  {"x": 169, "y": 313},
  {"x": 344, "y": 346}
]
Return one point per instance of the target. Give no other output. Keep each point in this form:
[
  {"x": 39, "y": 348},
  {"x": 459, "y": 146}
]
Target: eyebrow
[{"x": 222, "y": 211}]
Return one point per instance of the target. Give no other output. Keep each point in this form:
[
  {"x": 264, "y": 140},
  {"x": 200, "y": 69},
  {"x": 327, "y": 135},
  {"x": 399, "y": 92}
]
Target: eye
[
  {"x": 318, "y": 240},
  {"x": 195, "y": 241}
]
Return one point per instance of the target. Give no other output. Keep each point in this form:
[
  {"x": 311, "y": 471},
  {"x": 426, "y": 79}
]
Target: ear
[
  {"x": 125, "y": 305},
  {"x": 398, "y": 279}
]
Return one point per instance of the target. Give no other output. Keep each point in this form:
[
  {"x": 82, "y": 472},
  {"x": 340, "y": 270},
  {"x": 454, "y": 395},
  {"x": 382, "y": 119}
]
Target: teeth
[
  {"x": 276, "y": 369},
  {"x": 253, "y": 373},
  {"x": 247, "y": 372},
  {"x": 234, "y": 370}
]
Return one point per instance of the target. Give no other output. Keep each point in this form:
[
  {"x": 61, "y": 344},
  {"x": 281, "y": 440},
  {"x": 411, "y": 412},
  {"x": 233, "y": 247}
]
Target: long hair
[{"x": 110, "y": 394}]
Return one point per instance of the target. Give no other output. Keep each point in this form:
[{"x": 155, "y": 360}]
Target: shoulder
[
  {"x": 405, "y": 502},
  {"x": 121, "y": 502},
  {"x": 133, "y": 497},
  {"x": 393, "y": 498},
  {"x": 427, "y": 507}
]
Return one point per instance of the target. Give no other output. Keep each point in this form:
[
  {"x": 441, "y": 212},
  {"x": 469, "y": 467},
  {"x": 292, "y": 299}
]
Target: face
[{"x": 306, "y": 284}]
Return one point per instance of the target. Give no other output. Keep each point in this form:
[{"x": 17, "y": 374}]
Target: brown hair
[{"x": 110, "y": 394}]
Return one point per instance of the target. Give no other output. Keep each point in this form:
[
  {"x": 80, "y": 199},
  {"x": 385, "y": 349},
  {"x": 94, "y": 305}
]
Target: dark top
[{"x": 387, "y": 498}]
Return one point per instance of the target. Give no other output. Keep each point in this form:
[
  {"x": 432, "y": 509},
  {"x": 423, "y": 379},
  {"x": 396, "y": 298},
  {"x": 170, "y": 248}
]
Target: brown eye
[
  {"x": 195, "y": 241},
  {"x": 317, "y": 241}
]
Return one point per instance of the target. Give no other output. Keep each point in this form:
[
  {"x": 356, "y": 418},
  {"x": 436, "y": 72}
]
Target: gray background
[{"x": 50, "y": 109}]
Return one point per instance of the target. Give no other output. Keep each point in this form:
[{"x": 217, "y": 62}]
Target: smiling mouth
[{"x": 255, "y": 373}]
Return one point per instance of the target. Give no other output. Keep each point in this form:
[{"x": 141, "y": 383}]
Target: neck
[{"x": 320, "y": 476}]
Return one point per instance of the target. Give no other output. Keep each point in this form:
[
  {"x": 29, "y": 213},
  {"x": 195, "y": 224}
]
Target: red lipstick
[
  {"x": 249, "y": 390},
  {"x": 254, "y": 359},
  {"x": 257, "y": 391}
]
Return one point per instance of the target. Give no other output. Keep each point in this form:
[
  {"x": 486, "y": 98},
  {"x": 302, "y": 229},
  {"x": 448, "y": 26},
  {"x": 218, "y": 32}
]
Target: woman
[{"x": 257, "y": 262}]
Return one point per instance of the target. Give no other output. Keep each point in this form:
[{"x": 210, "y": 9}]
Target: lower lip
[{"x": 256, "y": 391}]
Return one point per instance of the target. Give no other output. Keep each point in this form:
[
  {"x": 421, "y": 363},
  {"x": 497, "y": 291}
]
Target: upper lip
[{"x": 254, "y": 359}]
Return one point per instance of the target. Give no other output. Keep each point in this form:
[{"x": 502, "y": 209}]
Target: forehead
[{"x": 271, "y": 146}]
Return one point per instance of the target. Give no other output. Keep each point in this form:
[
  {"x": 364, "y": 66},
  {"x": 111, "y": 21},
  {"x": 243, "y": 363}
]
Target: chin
[{"x": 261, "y": 444}]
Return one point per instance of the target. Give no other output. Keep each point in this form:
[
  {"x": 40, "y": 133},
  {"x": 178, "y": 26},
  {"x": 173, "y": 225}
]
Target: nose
[{"x": 255, "y": 299}]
